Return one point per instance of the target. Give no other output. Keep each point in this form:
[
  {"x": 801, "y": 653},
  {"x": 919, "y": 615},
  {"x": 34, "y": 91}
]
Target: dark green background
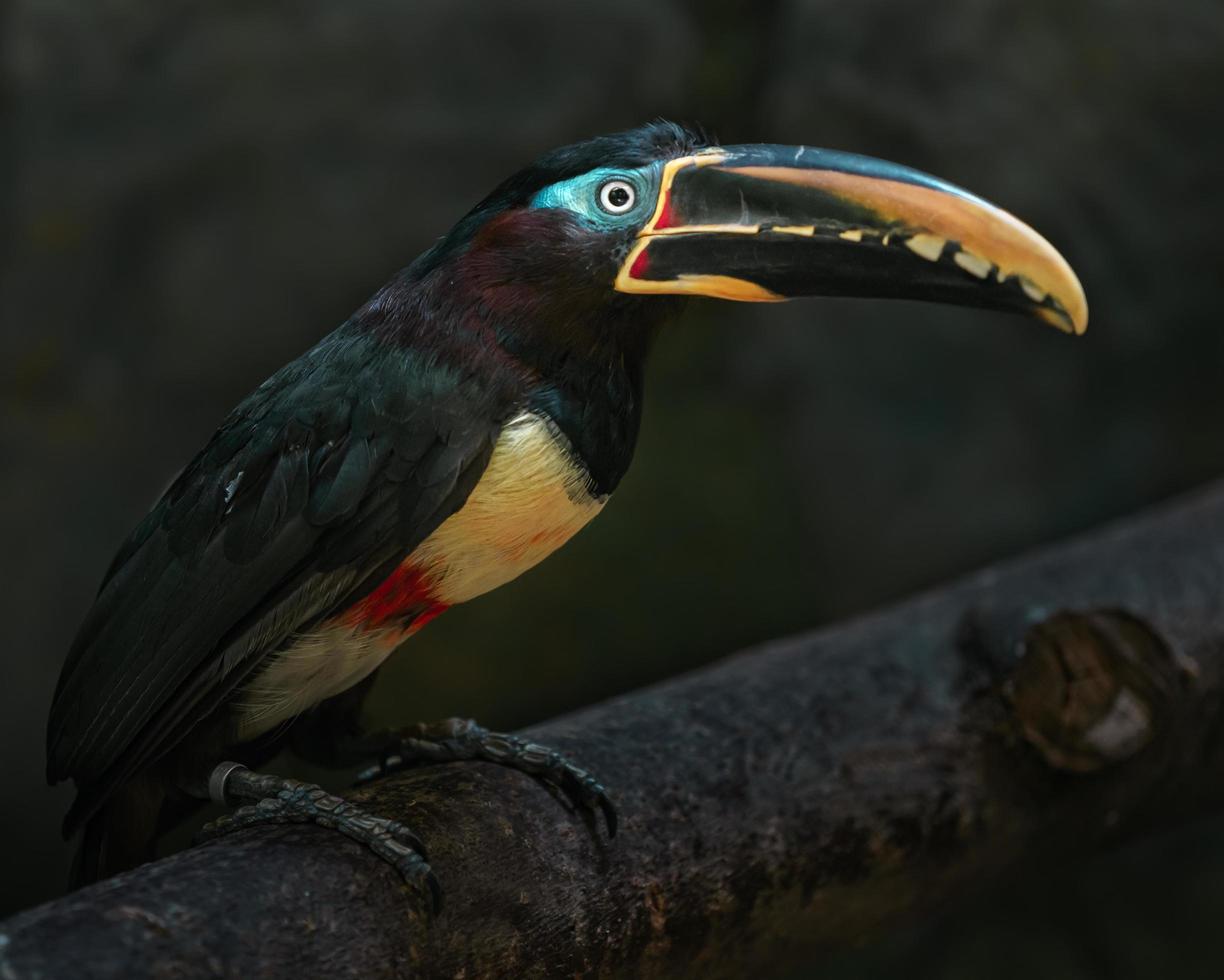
[{"x": 197, "y": 191}]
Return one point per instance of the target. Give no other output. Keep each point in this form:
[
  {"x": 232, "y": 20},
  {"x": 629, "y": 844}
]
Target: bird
[{"x": 464, "y": 423}]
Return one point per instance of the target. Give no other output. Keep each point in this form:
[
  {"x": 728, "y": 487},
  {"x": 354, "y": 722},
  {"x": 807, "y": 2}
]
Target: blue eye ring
[
  {"x": 608, "y": 198},
  {"x": 617, "y": 196}
]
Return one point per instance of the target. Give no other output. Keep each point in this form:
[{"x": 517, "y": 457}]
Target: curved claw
[
  {"x": 609, "y": 812},
  {"x": 409, "y": 839},
  {"x": 410, "y": 862},
  {"x": 435, "y": 893},
  {"x": 582, "y": 788}
]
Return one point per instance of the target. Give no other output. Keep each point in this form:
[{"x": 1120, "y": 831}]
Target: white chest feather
[{"x": 531, "y": 499}]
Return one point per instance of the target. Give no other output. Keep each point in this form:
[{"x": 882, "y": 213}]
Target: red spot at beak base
[{"x": 666, "y": 217}]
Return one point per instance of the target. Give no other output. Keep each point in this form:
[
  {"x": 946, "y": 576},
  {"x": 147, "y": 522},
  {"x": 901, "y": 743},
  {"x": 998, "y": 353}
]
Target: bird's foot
[
  {"x": 462, "y": 740},
  {"x": 268, "y": 799}
]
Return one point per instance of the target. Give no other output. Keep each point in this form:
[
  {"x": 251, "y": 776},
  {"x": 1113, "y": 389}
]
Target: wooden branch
[{"x": 810, "y": 793}]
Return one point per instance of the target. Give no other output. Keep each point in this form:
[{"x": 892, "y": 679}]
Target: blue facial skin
[{"x": 580, "y": 195}]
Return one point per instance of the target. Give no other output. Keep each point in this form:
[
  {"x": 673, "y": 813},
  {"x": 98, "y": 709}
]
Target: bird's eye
[{"x": 617, "y": 196}]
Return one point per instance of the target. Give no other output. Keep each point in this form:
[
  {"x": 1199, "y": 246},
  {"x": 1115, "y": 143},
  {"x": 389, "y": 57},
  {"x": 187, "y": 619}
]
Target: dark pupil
[{"x": 618, "y": 197}]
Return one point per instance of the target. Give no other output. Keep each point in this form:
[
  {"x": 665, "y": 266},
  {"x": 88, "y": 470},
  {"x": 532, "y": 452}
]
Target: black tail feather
[{"x": 119, "y": 835}]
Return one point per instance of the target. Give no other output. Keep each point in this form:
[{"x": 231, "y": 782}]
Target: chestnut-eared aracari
[{"x": 461, "y": 426}]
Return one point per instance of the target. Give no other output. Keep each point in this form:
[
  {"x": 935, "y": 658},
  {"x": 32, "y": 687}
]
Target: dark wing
[{"x": 315, "y": 487}]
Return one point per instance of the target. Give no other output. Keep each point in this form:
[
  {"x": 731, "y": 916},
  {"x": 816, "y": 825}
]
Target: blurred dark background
[{"x": 194, "y": 192}]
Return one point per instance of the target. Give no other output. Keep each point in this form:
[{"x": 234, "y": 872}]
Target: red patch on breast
[{"x": 403, "y": 595}]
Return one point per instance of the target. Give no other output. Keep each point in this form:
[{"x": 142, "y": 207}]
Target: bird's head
[{"x": 622, "y": 222}]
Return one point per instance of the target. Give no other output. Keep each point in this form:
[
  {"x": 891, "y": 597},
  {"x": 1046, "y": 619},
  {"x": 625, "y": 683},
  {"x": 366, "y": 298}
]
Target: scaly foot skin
[
  {"x": 462, "y": 740},
  {"x": 277, "y": 799}
]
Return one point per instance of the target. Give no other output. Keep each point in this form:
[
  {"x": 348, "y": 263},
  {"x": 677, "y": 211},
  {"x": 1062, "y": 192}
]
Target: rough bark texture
[{"x": 803, "y": 795}]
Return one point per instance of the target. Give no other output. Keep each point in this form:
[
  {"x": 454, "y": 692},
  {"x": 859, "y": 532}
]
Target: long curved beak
[{"x": 767, "y": 223}]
